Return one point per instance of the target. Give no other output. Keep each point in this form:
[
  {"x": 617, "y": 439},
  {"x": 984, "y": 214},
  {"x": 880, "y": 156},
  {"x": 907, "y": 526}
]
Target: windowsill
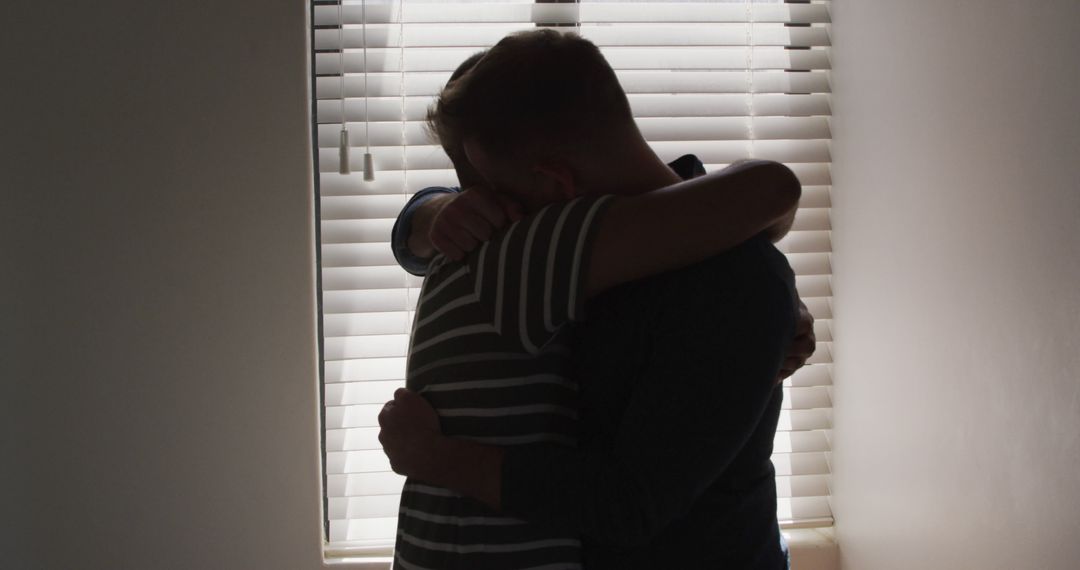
[
  {"x": 343, "y": 558},
  {"x": 811, "y": 549}
]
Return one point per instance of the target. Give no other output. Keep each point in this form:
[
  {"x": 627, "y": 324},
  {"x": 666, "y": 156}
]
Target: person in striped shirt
[{"x": 490, "y": 347}]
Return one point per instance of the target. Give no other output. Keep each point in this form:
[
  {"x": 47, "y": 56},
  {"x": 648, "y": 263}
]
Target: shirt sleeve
[
  {"x": 399, "y": 235},
  {"x": 708, "y": 381},
  {"x": 531, "y": 277}
]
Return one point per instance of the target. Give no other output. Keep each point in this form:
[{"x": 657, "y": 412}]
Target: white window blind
[{"x": 722, "y": 80}]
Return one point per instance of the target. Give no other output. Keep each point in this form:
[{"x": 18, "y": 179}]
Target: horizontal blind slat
[
  {"x": 814, "y": 177},
  {"x": 600, "y": 12},
  {"x": 362, "y": 207},
  {"x": 815, "y": 375},
  {"x": 370, "y": 392},
  {"x": 806, "y": 242},
  {"x": 373, "y": 277},
  {"x": 425, "y": 157},
  {"x": 823, "y": 330},
  {"x": 682, "y": 129},
  {"x": 797, "y": 474},
  {"x": 368, "y": 507},
  {"x": 373, "y": 346},
  {"x": 804, "y": 420},
  {"x": 797, "y": 442},
  {"x": 822, "y": 354},
  {"x": 369, "y": 300},
  {"x": 803, "y": 463},
  {"x": 358, "y": 324},
  {"x": 662, "y": 35},
  {"x": 343, "y": 462},
  {"x": 364, "y": 370},
  {"x": 814, "y": 285},
  {"x": 354, "y": 484},
  {"x": 807, "y": 398},
  {"x": 810, "y": 263},
  {"x": 387, "y": 182},
  {"x": 354, "y": 426},
  {"x": 815, "y": 197},
  {"x": 802, "y": 486},
  {"x": 446, "y": 59},
  {"x": 414, "y": 84},
  {"x": 356, "y": 231},
  {"x": 415, "y": 107},
  {"x": 386, "y": 505},
  {"x": 804, "y": 509},
  {"x": 811, "y": 219},
  {"x": 356, "y": 254},
  {"x": 376, "y": 531}
]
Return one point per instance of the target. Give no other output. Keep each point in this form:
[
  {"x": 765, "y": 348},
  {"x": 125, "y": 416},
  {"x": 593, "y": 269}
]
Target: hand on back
[
  {"x": 409, "y": 427},
  {"x": 802, "y": 345},
  {"x": 469, "y": 219}
]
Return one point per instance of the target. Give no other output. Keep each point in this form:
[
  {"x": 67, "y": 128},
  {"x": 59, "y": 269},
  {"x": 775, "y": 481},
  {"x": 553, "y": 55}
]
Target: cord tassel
[
  {"x": 369, "y": 167},
  {"x": 343, "y": 155}
]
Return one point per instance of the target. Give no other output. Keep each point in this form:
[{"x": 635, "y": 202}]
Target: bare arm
[
  {"x": 687, "y": 222},
  {"x": 637, "y": 236},
  {"x": 746, "y": 198},
  {"x": 411, "y": 438}
]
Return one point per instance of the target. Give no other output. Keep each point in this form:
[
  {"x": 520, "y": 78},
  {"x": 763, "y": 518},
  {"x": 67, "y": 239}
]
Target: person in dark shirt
[
  {"x": 591, "y": 491},
  {"x": 678, "y": 416},
  {"x": 679, "y": 409}
]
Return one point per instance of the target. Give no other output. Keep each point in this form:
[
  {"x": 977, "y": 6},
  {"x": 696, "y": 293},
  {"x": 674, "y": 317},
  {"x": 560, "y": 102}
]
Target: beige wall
[
  {"x": 957, "y": 284},
  {"x": 158, "y": 391},
  {"x": 158, "y": 347}
]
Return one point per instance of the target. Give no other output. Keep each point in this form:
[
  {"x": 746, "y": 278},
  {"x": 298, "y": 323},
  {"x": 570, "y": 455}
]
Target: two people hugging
[{"x": 594, "y": 367}]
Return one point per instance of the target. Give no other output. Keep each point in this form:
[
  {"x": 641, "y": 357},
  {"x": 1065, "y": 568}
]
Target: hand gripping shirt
[{"x": 490, "y": 351}]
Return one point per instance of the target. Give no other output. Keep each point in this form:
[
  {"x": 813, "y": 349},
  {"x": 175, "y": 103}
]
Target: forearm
[
  {"x": 553, "y": 484},
  {"x": 472, "y": 469},
  {"x": 782, "y": 225},
  {"x": 688, "y": 222},
  {"x": 780, "y": 228},
  {"x": 409, "y": 232},
  {"x": 419, "y": 242},
  {"x": 622, "y": 497},
  {"x": 557, "y": 485}
]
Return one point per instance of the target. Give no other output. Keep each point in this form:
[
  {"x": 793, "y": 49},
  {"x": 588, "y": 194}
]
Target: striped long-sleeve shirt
[{"x": 489, "y": 351}]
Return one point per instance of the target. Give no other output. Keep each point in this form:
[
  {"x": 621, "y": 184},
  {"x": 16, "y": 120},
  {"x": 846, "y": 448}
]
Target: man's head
[
  {"x": 539, "y": 112},
  {"x": 467, "y": 175}
]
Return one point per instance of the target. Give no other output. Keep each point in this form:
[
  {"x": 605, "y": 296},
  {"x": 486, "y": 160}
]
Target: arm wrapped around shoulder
[{"x": 687, "y": 222}]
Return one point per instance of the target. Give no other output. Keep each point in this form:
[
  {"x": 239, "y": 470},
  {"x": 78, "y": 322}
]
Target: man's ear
[
  {"x": 468, "y": 176},
  {"x": 478, "y": 159},
  {"x": 557, "y": 179}
]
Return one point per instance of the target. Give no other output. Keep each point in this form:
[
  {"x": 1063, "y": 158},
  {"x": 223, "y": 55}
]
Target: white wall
[
  {"x": 158, "y": 362},
  {"x": 957, "y": 284}
]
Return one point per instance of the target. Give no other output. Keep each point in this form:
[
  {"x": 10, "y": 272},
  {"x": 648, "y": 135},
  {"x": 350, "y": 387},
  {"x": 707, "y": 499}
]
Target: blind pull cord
[
  {"x": 343, "y": 141},
  {"x": 369, "y": 164}
]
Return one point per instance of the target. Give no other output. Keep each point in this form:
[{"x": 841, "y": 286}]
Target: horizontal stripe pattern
[{"x": 489, "y": 352}]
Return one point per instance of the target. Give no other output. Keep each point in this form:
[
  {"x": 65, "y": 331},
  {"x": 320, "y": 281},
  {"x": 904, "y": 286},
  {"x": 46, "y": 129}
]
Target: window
[{"x": 723, "y": 80}]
